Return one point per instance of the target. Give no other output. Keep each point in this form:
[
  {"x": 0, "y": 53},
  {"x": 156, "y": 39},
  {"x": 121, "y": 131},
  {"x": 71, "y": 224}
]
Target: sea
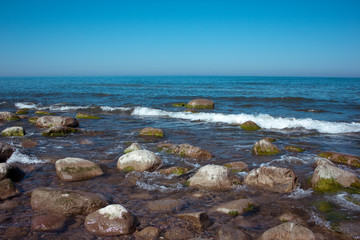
[{"x": 317, "y": 114}]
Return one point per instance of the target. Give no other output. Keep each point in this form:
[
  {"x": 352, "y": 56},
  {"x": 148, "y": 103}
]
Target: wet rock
[
  {"x": 6, "y": 150},
  {"x": 8, "y": 204},
  {"x": 290, "y": 217},
  {"x": 4, "y": 168},
  {"x": 66, "y": 202},
  {"x": 15, "y": 233},
  {"x": 29, "y": 144},
  {"x": 265, "y": 147},
  {"x": 250, "y": 126},
  {"x": 242, "y": 222},
  {"x": 174, "y": 170},
  {"x": 13, "y": 132},
  {"x": 48, "y": 223},
  {"x": 39, "y": 112},
  {"x": 290, "y": 231},
  {"x": 237, "y": 166},
  {"x": 8, "y": 189},
  {"x": 165, "y": 205},
  {"x": 86, "y": 116},
  {"x": 133, "y": 147},
  {"x": 197, "y": 220},
  {"x": 186, "y": 150},
  {"x": 86, "y": 142},
  {"x": 350, "y": 228},
  {"x": 201, "y": 104},
  {"x": 292, "y": 148},
  {"x": 232, "y": 233},
  {"x": 139, "y": 160},
  {"x": 111, "y": 220},
  {"x": 179, "y": 104},
  {"x": 151, "y": 132},
  {"x": 33, "y": 120},
  {"x": 56, "y": 121},
  {"x": 275, "y": 179},
  {"x": 59, "y": 131},
  {"x": 346, "y": 159},
  {"x": 76, "y": 169},
  {"x": 22, "y": 111},
  {"x": 234, "y": 208},
  {"x": 211, "y": 177},
  {"x": 8, "y": 117},
  {"x": 177, "y": 233},
  {"x": 148, "y": 233}
]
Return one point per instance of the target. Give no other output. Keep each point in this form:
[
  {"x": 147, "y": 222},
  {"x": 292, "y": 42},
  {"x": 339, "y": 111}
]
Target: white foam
[
  {"x": 342, "y": 201},
  {"x": 318, "y": 220},
  {"x": 263, "y": 120},
  {"x": 66, "y": 108},
  {"x": 305, "y": 159},
  {"x": 111, "y": 109},
  {"x": 28, "y": 105},
  {"x": 157, "y": 187},
  {"x": 113, "y": 211},
  {"x": 17, "y": 156},
  {"x": 300, "y": 193}
]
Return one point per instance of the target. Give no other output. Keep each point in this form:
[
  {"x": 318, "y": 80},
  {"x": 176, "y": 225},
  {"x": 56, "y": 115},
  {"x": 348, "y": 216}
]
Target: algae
[
  {"x": 128, "y": 169},
  {"x": 22, "y": 111},
  {"x": 43, "y": 113},
  {"x": 179, "y": 104},
  {"x": 233, "y": 213},
  {"x": 86, "y": 116}
]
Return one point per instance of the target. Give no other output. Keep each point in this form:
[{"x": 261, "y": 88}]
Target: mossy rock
[
  {"x": 22, "y": 111},
  {"x": 86, "y": 116},
  {"x": 128, "y": 169},
  {"x": 265, "y": 147},
  {"x": 200, "y": 104},
  {"x": 13, "y": 132},
  {"x": 33, "y": 120},
  {"x": 346, "y": 159},
  {"x": 174, "y": 170},
  {"x": 295, "y": 149},
  {"x": 329, "y": 185},
  {"x": 59, "y": 131},
  {"x": 43, "y": 113},
  {"x": 250, "y": 126},
  {"x": 324, "y": 206},
  {"x": 180, "y": 104},
  {"x": 13, "y": 118},
  {"x": 151, "y": 132}
]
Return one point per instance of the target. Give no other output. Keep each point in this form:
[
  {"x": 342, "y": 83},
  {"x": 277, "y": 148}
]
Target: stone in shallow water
[
  {"x": 6, "y": 150},
  {"x": 4, "y": 168},
  {"x": 342, "y": 158},
  {"x": 265, "y": 147},
  {"x": 177, "y": 233},
  {"x": 211, "y": 177},
  {"x": 231, "y": 233},
  {"x": 8, "y": 117},
  {"x": 197, "y": 220},
  {"x": 8, "y": 189},
  {"x": 148, "y": 233},
  {"x": 133, "y": 147},
  {"x": 54, "y": 121},
  {"x": 76, "y": 169},
  {"x": 48, "y": 223},
  {"x": 165, "y": 205},
  {"x": 250, "y": 126},
  {"x": 13, "y": 132},
  {"x": 151, "y": 132},
  {"x": 201, "y": 103},
  {"x": 59, "y": 131},
  {"x": 295, "y": 149},
  {"x": 139, "y": 160},
  {"x": 186, "y": 150},
  {"x": 234, "y": 208},
  {"x": 86, "y": 116},
  {"x": 290, "y": 231},
  {"x": 237, "y": 166}
]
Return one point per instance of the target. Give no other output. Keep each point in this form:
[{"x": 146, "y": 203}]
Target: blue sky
[{"x": 246, "y": 38}]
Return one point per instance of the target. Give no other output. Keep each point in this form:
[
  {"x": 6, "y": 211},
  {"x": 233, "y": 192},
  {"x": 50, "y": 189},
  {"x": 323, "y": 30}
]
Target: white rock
[
  {"x": 140, "y": 160},
  {"x": 113, "y": 211},
  {"x": 3, "y": 170},
  {"x": 211, "y": 177}
]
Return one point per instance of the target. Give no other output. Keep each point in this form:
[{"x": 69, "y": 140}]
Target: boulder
[
  {"x": 33, "y": 120},
  {"x": 234, "y": 208},
  {"x": 295, "y": 149},
  {"x": 56, "y": 121},
  {"x": 164, "y": 205},
  {"x": 48, "y": 223},
  {"x": 275, "y": 179},
  {"x": 174, "y": 170},
  {"x": 231, "y": 233},
  {"x": 197, "y": 220},
  {"x": 66, "y": 202},
  {"x": 139, "y": 160},
  {"x": 22, "y": 111},
  {"x": 59, "y": 131},
  {"x": 265, "y": 147},
  {"x": 8, "y": 117},
  {"x": 133, "y": 147},
  {"x": 148, "y": 233},
  {"x": 13, "y": 132},
  {"x": 186, "y": 150},
  {"x": 111, "y": 220},
  {"x": 201, "y": 103},
  {"x": 4, "y": 168},
  {"x": 8, "y": 189},
  {"x": 76, "y": 169},
  {"x": 86, "y": 116},
  {"x": 250, "y": 126},
  {"x": 151, "y": 132},
  {"x": 290, "y": 231},
  {"x": 177, "y": 233},
  {"x": 6, "y": 150},
  {"x": 346, "y": 159},
  {"x": 211, "y": 177},
  {"x": 237, "y": 166}
]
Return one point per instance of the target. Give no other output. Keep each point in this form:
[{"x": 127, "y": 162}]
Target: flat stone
[
  {"x": 346, "y": 159},
  {"x": 151, "y": 132},
  {"x": 237, "y": 166},
  {"x": 232, "y": 233},
  {"x": 77, "y": 169},
  {"x": 236, "y": 207},
  {"x": 197, "y": 220},
  {"x": 174, "y": 170},
  {"x": 29, "y": 144},
  {"x": 48, "y": 223},
  {"x": 164, "y": 205},
  {"x": 186, "y": 150},
  {"x": 292, "y": 148},
  {"x": 201, "y": 103},
  {"x": 177, "y": 233},
  {"x": 86, "y": 116}
]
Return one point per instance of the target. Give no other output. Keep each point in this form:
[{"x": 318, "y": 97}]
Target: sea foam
[{"x": 17, "y": 156}]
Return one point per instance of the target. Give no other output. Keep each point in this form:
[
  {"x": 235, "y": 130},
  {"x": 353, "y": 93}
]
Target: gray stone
[
  {"x": 211, "y": 177},
  {"x": 56, "y": 121},
  {"x": 139, "y": 160},
  {"x": 76, "y": 169}
]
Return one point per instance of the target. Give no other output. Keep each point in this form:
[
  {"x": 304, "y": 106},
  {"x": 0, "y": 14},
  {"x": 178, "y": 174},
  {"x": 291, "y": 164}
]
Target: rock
[
  {"x": 133, "y": 147},
  {"x": 15, "y": 173},
  {"x": 43, "y": 113},
  {"x": 290, "y": 231},
  {"x": 234, "y": 208},
  {"x": 76, "y": 169},
  {"x": 148, "y": 233},
  {"x": 13, "y": 132},
  {"x": 211, "y": 177},
  {"x": 237, "y": 166},
  {"x": 86, "y": 116},
  {"x": 6, "y": 150},
  {"x": 231, "y": 233},
  {"x": 66, "y": 202},
  {"x": 56, "y": 121},
  {"x": 165, "y": 205},
  {"x": 4, "y": 167},
  {"x": 179, "y": 104},
  {"x": 33, "y": 120},
  {"x": 250, "y": 126},
  {"x": 289, "y": 217},
  {"x": 197, "y": 220},
  {"x": 8, "y": 189},
  {"x": 9, "y": 205},
  {"x": 174, "y": 170},
  {"x": 177, "y": 233},
  {"x": 22, "y": 111},
  {"x": 201, "y": 103},
  {"x": 265, "y": 147},
  {"x": 151, "y": 132},
  {"x": 8, "y": 117},
  {"x": 59, "y": 131},
  {"x": 29, "y": 144},
  {"x": 186, "y": 150},
  {"x": 242, "y": 222},
  {"x": 275, "y": 179},
  {"x": 48, "y": 223},
  {"x": 329, "y": 178},
  {"x": 291, "y": 148},
  {"x": 111, "y": 220},
  {"x": 139, "y": 160},
  {"x": 346, "y": 159}
]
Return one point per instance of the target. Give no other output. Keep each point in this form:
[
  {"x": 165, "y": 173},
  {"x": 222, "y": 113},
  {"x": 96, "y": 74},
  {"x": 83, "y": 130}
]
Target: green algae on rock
[
  {"x": 151, "y": 132},
  {"x": 13, "y": 132},
  {"x": 22, "y": 111},
  {"x": 76, "y": 169},
  {"x": 133, "y": 147},
  {"x": 33, "y": 120},
  {"x": 179, "y": 104},
  {"x": 185, "y": 150},
  {"x": 250, "y": 126},
  {"x": 174, "y": 170},
  {"x": 8, "y": 117},
  {"x": 346, "y": 159},
  {"x": 86, "y": 116},
  {"x": 43, "y": 113},
  {"x": 265, "y": 147},
  {"x": 59, "y": 131},
  {"x": 292, "y": 148}
]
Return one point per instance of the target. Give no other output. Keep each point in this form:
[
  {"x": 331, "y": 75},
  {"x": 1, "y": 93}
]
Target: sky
[{"x": 133, "y": 37}]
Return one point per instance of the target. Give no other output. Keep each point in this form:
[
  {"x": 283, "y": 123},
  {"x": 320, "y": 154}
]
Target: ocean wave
[
  {"x": 265, "y": 121},
  {"x": 28, "y": 105}
]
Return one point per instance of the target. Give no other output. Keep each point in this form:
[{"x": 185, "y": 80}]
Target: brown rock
[
  {"x": 29, "y": 144},
  {"x": 6, "y": 150},
  {"x": 164, "y": 205},
  {"x": 290, "y": 231},
  {"x": 186, "y": 150},
  {"x": 151, "y": 132},
  {"x": 48, "y": 223},
  {"x": 201, "y": 103},
  {"x": 275, "y": 179},
  {"x": 76, "y": 169},
  {"x": 56, "y": 121},
  {"x": 197, "y": 220},
  {"x": 177, "y": 233},
  {"x": 174, "y": 170},
  {"x": 295, "y": 149},
  {"x": 234, "y": 208},
  {"x": 4, "y": 169},
  {"x": 148, "y": 233},
  {"x": 265, "y": 147},
  {"x": 237, "y": 166},
  {"x": 8, "y": 189},
  {"x": 342, "y": 158},
  {"x": 9, "y": 204},
  {"x": 290, "y": 217},
  {"x": 232, "y": 233}
]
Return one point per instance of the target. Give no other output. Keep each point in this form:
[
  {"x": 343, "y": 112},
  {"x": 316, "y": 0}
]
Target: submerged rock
[
  {"x": 76, "y": 169},
  {"x": 197, "y": 220},
  {"x": 13, "y": 132},
  {"x": 48, "y": 223},
  {"x": 186, "y": 150},
  {"x": 346, "y": 159},
  {"x": 66, "y": 202},
  {"x": 237, "y": 166},
  {"x": 133, "y": 147},
  {"x": 250, "y": 126},
  {"x": 139, "y": 160},
  {"x": 151, "y": 132},
  {"x": 179, "y": 104},
  {"x": 8, "y": 117},
  {"x": 111, "y": 220},
  {"x": 174, "y": 170},
  {"x": 59, "y": 131},
  {"x": 231, "y": 233},
  {"x": 33, "y": 120},
  {"x": 234, "y": 208},
  {"x": 164, "y": 205},
  {"x": 290, "y": 231},
  {"x": 148, "y": 233},
  {"x": 4, "y": 168},
  {"x": 39, "y": 112},
  {"x": 8, "y": 189},
  {"x": 295, "y": 149},
  {"x": 6, "y": 150},
  {"x": 86, "y": 116},
  {"x": 177, "y": 233},
  {"x": 56, "y": 121},
  {"x": 201, "y": 103},
  {"x": 22, "y": 111},
  {"x": 275, "y": 179},
  {"x": 265, "y": 147}
]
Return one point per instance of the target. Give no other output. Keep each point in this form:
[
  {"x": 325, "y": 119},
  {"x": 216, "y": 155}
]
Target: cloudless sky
[{"x": 150, "y": 37}]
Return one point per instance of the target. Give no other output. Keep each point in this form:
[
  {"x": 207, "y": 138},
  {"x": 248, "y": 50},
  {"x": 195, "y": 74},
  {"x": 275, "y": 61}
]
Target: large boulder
[
  {"x": 201, "y": 103},
  {"x": 151, "y": 132},
  {"x": 139, "y": 160},
  {"x": 13, "y": 132},
  {"x": 186, "y": 150},
  {"x": 111, "y": 220},
  {"x": 289, "y": 231},
  {"x": 58, "y": 131},
  {"x": 8, "y": 189},
  {"x": 56, "y": 121},
  {"x": 265, "y": 147},
  {"x": 76, "y": 169},
  {"x": 342, "y": 158},
  {"x": 275, "y": 179},
  {"x": 234, "y": 208},
  {"x": 4, "y": 168},
  {"x": 8, "y": 117},
  {"x": 6, "y": 150},
  {"x": 66, "y": 202},
  {"x": 250, "y": 126}
]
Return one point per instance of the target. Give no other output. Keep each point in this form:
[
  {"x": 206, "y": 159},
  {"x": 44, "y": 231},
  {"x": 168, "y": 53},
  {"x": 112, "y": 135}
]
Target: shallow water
[{"x": 317, "y": 114}]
